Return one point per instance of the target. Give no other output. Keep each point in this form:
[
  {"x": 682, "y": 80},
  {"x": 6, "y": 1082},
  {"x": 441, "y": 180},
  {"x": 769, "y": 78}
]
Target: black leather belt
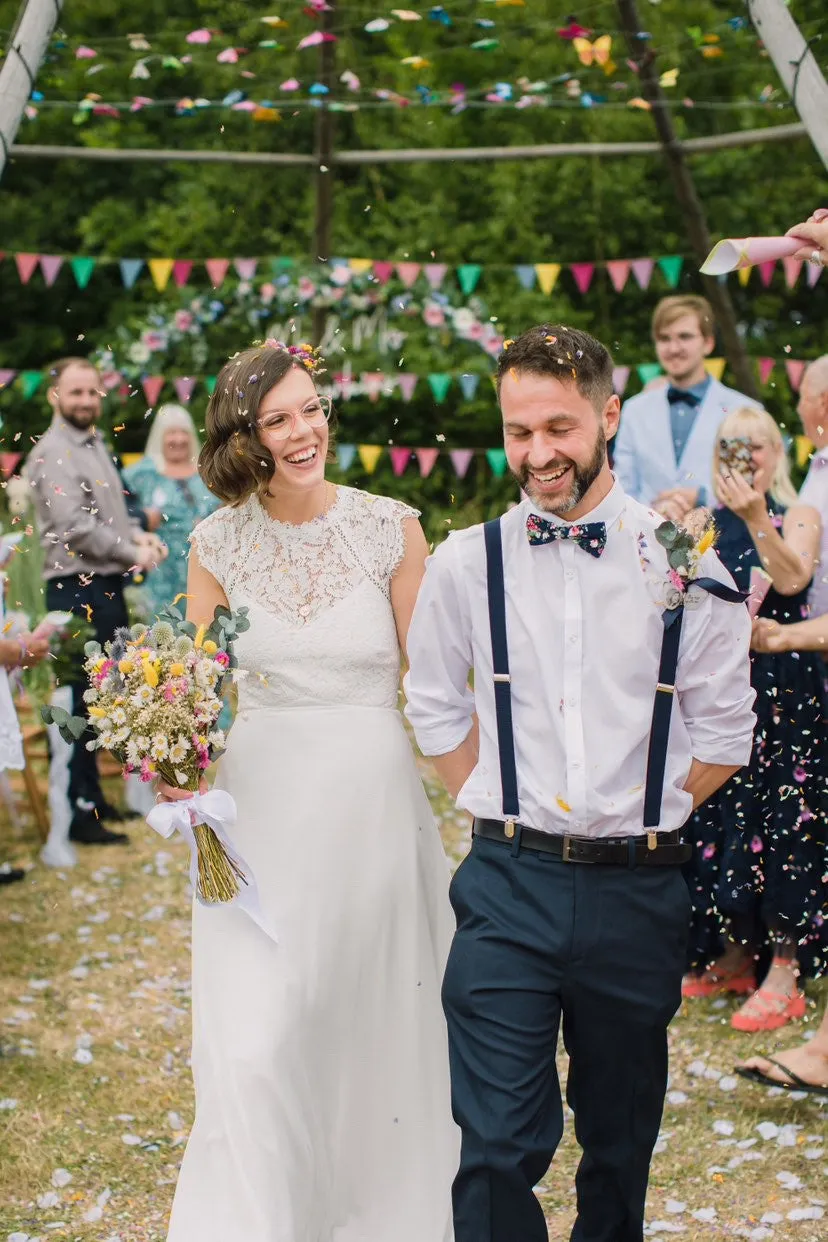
[{"x": 651, "y": 849}]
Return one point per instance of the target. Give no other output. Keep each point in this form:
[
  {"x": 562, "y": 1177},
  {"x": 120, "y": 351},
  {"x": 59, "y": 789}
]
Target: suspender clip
[
  {"x": 509, "y": 829},
  {"x": 665, "y": 689},
  {"x": 502, "y": 677},
  {"x": 652, "y": 840}
]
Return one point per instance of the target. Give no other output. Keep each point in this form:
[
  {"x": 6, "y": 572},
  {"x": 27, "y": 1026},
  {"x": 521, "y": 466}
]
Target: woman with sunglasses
[{"x": 320, "y": 1061}]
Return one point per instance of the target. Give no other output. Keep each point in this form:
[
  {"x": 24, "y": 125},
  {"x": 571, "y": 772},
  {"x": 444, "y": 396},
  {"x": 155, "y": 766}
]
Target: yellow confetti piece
[
  {"x": 563, "y": 804},
  {"x": 181, "y": 595},
  {"x": 88, "y": 608}
]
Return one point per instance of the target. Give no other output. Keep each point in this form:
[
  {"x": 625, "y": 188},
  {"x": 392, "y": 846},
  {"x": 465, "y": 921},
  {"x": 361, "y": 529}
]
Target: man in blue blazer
[{"x": 665, "y": 446}]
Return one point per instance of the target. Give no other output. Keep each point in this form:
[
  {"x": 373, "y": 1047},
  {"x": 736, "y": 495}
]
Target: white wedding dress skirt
[{"x": 321, "y": 1062}]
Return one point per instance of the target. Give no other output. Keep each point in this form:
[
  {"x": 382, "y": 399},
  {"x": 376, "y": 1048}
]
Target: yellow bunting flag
[
  {"x": 360, "y": 266},
  {"x": 804, "y": 448},
  {"x": 160, "y": 270},
  {"x": 369, "y": 455},
  {"x": 547, "y": 274},
  {"x": 129, "y": 459},
  {"x": 744, "y": 275},
  {"x": 715, "y": 367}
]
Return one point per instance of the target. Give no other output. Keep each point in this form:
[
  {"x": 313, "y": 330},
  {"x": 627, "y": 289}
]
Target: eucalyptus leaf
[
  {"x": 76, "y": 726},
  {"x": 677, "y": 557},
  {"x": 666, "y": 534}
]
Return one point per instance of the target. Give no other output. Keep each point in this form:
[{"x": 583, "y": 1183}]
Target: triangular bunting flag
[
  {"x": 766, "y": 271},
  {"x": 408, "y": 273},
  {"x": 400, "y": 457},
  {"x": 795, "y": 368},
  {"x": 360, "y": 266},
  {"x": 245, "y": 268},
  {"x": 766, "y": 365},
  {"x": 642, "y": 270},
  {"x": 344, "y": 383},
  {"x": 715, "y": 367},
  {"x": 152, "y": 386},
  {"x": 283, "y": 266},
  {"x": 181, "y": 271},
  {"x": 130, "y": 459},
  {"x": 82, "y": 269},
  {"x": 435, "y": 274},
  {"x": 468, "y": 275},
  {"x": 792, "y": 267},
  {"x": 619, "y": 273},
  {"x": 216, "y": 270},
  {"x": 26, "y": 266},
  {"x": 210, "y": 384},
  {"x": 30, "y": 382},
  {"x": 184, "y": 386},
  {"x": 620, "y": 376},
  {"x": 526, "y": 274},
  {"x": 426, "y": 459},
  {"x": 804, "y": 448},
  {"x": 496, "y": 457},
  {"x": 50, "y": 265},
  {"x": 548, "y": 274},
  {"x": 345, "y": 454},
  {"x": 369, "y": 455},
  {"x": 647, "y": 371},
  {"x": 439, "y": 384},
  {"x": 671, "y": 265},
  {"x": 8, "y": 461},
  {"x": 813, "y": 271},
  {"x": 743, "y": 274},
  {"x": 6, "y": 376},
  {"x": 583, "y": 273},
  {"x": 468, "y": 386},
  {"x": 372, "y": 383},
  {"x": 461, "y": 459},
  {"x": 160, "y": 271},
  {"x": 407, "y": 382},
  {"x": 383, "y": 271},
  {"x": 130, "y": 271}
]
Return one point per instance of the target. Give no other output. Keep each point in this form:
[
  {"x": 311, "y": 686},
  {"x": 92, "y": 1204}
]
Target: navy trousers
[{"x": 542, "y": 943}]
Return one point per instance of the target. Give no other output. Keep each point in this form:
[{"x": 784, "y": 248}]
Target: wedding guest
[
  {"x": 759, "y": 857},
  {"x": 173, "y": 496},
  {"x": 665, "y": 441},
  {"x": 813, "y": 412},
  {"x": 89, "y": 545}
]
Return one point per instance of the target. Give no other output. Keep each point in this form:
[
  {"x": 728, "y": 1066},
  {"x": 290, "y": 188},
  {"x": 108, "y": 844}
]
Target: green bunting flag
[
  {"x": 671, "y": 265},
  {"x": 439, "y": 384},
  {"x": 30, "y": 381},
  {"x": 82, "y": 268},
  {"x": 648, "y": 371},
  {"x": 468, "y": 275},
  {"x": 496, "y": 457},
  {"x": 210, "y": 384}
]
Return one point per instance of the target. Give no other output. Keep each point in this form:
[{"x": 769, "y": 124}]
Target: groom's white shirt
[
  {"x": 645, "y": 458},
  {"x": 584, "y": 642}
]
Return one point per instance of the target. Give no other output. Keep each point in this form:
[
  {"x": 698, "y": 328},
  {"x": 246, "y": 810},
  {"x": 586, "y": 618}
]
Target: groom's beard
[{"x": 581, "y": 479}]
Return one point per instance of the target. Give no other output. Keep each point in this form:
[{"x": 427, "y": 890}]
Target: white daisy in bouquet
[{"x": 154, "y": 699}]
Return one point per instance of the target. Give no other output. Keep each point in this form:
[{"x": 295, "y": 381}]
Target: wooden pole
[
  {"x": 324, "y": 168},
  {"x": 29, "y": 40},
  {"x": 687, "y": 197},
  {"x": 797, "y": 67}
]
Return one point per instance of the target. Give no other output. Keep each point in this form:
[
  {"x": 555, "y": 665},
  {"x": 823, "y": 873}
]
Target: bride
[{"x": 320, "y": 1062}]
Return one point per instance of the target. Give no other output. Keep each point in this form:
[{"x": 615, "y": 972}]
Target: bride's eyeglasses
[{"x": 279, "y": 424}]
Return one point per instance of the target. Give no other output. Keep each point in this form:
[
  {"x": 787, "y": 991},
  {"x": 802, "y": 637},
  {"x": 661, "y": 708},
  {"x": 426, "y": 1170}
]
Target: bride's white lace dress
[{"x": 320, "y": 1062}]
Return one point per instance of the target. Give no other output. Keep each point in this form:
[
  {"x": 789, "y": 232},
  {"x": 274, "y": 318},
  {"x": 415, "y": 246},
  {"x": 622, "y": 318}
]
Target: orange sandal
[
  {"x": 767, "y": 1011},
  {"x": 713, "y": 982}
]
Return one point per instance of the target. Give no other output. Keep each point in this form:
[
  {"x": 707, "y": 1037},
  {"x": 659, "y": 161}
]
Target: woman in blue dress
[
  {"x": 173, "y": 496},
  {"x": 756, "y": 875}
]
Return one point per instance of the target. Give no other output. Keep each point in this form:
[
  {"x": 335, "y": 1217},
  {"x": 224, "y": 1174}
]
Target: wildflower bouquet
[
  {"x": 685, "y": 546},
  {"x": 154, "y": 698}
]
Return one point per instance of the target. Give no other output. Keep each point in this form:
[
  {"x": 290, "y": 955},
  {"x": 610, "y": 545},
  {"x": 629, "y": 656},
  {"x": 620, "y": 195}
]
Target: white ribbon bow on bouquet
[{"x": 217, "y": 809}]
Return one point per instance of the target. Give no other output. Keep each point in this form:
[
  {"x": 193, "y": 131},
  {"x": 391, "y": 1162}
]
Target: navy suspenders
[{"x": 662, "y": 706}]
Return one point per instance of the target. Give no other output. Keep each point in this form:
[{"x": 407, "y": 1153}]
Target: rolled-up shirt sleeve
[
  {"x": 439, "y": 702},
  {"x": 715, "y": 693}
]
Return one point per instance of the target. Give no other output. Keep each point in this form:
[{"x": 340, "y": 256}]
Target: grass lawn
[{"x": 96, "y": 1099}]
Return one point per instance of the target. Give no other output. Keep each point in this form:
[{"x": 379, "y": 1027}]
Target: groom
[{"x": 602, "y": 723}]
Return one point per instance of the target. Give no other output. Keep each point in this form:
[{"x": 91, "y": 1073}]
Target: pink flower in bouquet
[
  {"x": 183, "y": 320},
  {"x": 676, "y": 580},
  {"x": 433, "y": 315},
  {"x": 222, "y": 658},
  {"x": 147, "y": 770}
]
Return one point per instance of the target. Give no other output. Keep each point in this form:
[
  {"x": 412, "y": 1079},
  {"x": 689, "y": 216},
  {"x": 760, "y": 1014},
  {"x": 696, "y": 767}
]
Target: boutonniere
[{"x": 685, "y": 546}]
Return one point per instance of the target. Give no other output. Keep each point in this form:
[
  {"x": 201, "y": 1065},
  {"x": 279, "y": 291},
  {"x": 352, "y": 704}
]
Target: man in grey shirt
[{"x": 90, "y": 544}]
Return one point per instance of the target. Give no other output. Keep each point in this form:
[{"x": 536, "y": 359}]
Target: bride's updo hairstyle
[{"x": 233, "y": 462}]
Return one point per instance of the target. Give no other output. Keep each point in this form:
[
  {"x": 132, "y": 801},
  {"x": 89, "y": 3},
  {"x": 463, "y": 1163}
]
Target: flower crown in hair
[{"x": 307, "y": 355}]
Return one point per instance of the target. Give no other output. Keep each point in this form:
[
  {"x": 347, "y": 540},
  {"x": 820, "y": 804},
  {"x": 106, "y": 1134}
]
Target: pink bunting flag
[
  {"x": 8, "y": 461},
  {"x": 642, "y": 270},
  {"x": 26, "y": 266},
  {"x": 426, "y": 460},
  {"x": 343, "y": 381},
  {"x": 217, "y": 270},
  {"x": 792, "y": 268},
  {"x": 372, "y": 382},
  {"x": 461, "y": 459},
  {"x": 620, "y": 376},
  {"x": 407, "y": 383},
  {"x": 400, "y": 457},
  {"x": 184, "y": 386},
  {"x": 813, "y": 271},
  {"x": 181, "y": 271},
  {"x": 583, "y": 273},
  {"x": 246, "y": 268},
  {"x": 795, "y": 369},
  {"x": 619, "y": 273},
  {"x": 50, "y": 265},
  {"x": 408, "y": 273},
  {"x": 152, "y": 386},
  {"x": 766, "y": 365},
  {"x": 435, "y": 274},
  {"x": 6, "y": 376},
  {"x": 766, "y": 271},
  {"x": 383, "y": 272}
]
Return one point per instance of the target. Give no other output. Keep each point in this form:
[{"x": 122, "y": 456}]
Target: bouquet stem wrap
[{"x": 218, "y": 873}]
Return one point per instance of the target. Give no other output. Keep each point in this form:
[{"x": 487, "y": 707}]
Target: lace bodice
[{"x": 322, "y": 629}]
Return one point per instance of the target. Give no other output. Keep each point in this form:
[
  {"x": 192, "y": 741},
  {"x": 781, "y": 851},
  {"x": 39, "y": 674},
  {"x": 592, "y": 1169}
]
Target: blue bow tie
[
  {"x": 592, "y": 536},
  {"x": 674, "y": 395}
]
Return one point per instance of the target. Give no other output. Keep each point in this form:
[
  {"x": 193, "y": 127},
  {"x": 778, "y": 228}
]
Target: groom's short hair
[{"x": 567, "y": 354}]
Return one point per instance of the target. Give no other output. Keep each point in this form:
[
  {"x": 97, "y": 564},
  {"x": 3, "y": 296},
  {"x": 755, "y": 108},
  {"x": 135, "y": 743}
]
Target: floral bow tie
[{"x": 592, "y": 536}]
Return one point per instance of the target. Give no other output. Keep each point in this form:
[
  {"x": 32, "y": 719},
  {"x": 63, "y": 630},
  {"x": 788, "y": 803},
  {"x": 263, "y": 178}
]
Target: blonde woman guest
[
  {"x": 173, "y": 496},
  {"x": 758, "y": 860}
]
